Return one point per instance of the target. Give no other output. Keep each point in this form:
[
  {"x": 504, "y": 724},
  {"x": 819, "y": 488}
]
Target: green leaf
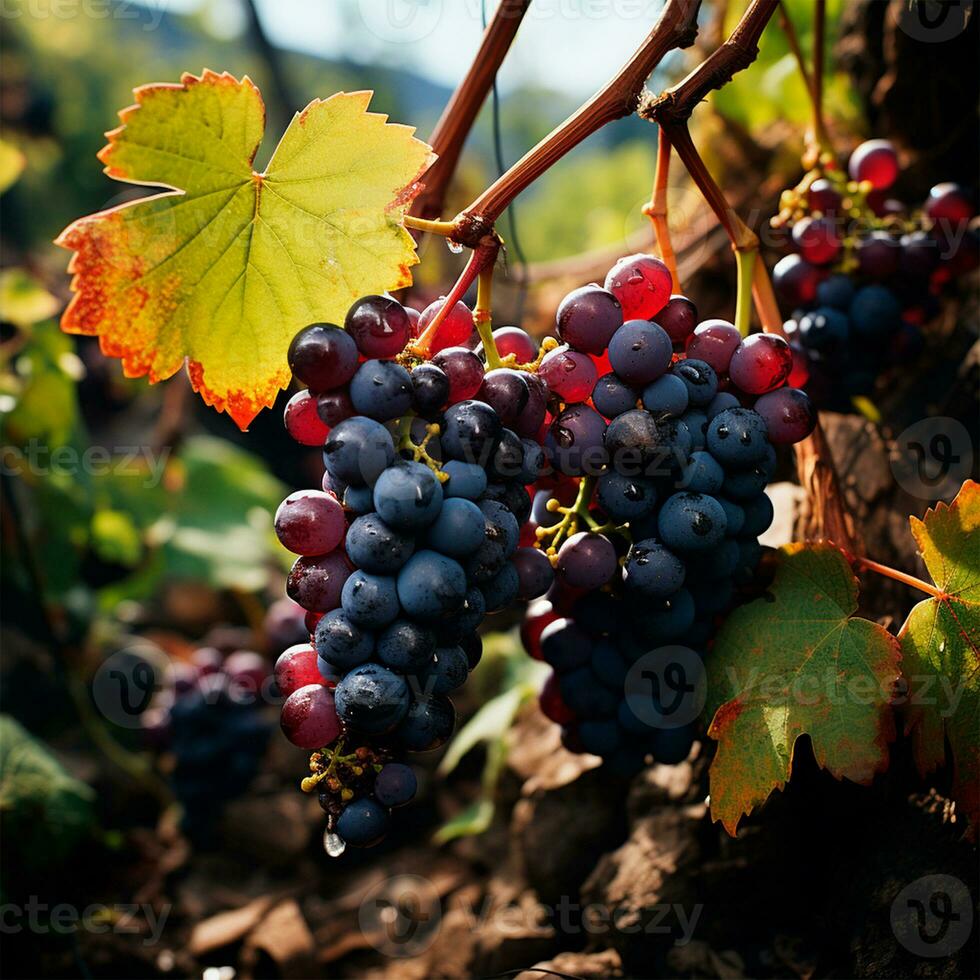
[
  {"x": 798, "y": 662},
  {"x": 227, "y": 264},
  {"x": 941, "y": 648},
  {"x": 23, "y": 300},
  {"x": 45, "y": 811},
  {"x": 12, "y": 163}
]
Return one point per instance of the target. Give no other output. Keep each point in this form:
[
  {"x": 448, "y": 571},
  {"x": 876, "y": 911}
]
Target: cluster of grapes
[
  {"x": 411, "y": 541},
  {"x": 866, "y": 270},
  {"x": 208, "y": 718},
  {"x": 668, "y": 453}
]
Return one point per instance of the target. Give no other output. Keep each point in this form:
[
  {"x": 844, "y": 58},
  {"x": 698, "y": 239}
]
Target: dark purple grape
[
  {"x": 640, "y": 352},
  {"x": 323, "y": 356},
  {"x": 878, "y": 255},
  {"x": 334, "y": 406},
  {"x": 795, "y": 280},
  {"x": 534, "y": 573},
  {"x": 612, "y": 396},
  {"x": 679, "y": 318},
  {"x": 316, "y": 583},
  {"x": 588, "y": 317},
  {"x": 506, "y": 392},
  {"x": 430, "y": 389},
  {"x": 587, "y": 561},
  {"x": 380, "y": 327},
  {"x": 817, "y": 240},
  {"x": 528, "y": 424},
  {"x": 714, "y": 342},
  {"x": 789, "y": 415},
  {"x": 464, "y": 370},
  {"x": 575, "y": 441}
]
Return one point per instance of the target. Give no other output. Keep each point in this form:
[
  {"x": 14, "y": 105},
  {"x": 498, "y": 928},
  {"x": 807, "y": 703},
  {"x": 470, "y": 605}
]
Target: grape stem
[
  {"x": 482, "y": 317},
  {"x": 443, "y": 228},
  {"x": 656, "y": 210},
  {"x": 745, "y": 260},
  {"x": 569, "y": 523},
  {"x": 457, "y": 119},
  {"x": 904, "y": 578}
]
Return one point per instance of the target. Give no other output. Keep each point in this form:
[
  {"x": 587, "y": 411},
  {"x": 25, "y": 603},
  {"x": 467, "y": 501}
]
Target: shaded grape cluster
[{"x": 866, "y": 271}]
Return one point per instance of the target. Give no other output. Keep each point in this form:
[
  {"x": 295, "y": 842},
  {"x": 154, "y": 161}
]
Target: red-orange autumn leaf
[
  {"x": 222, "y": 268},
  {"x": 798, "y": 662},
  {"x": 941, "y": 648}
]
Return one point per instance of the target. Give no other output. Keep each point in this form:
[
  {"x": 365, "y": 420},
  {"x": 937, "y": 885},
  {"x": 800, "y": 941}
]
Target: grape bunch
[
  {"x": 866, "y": 270},
  {"x": 411, "y": 541},
  {"x": 659, "y": 497},
  {"x": 209, "y": 720}
]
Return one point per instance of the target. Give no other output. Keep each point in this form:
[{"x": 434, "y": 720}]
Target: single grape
[
  {"x": 529, "y": 423},
  {"x": 379, "y": 326},
  {"x": 666, "y": 620},
  {"x": 502, "y": 590},
  {"x": 506, "y": 392},
  {"x": 666, "y": 396},
  {"x": 878, "y": 255},
  {"x": 574, "y": 442},
  {"x": 334, "y": 406},
  {"x": 699, "y": 378},
  {"x": 824, "y": 329},
  {"x": 309, "y": 717},
  {"x": 817, "y": 240},
  {"x": 395, "y": 785},
  {"x": 316, "y": 583},
  {"x": 322, "y": 356},
  {"x": 310, "y": 522},
  {"x": 405, "y": 647},
  {"x": 795, "y": 280},
  {"x": 363, "y": 823},
  {"x": 370, "y": 601},
  {"x": 836, "y": 291},
  {"x": 919, "y": 255},
  {"x": 642, "y": 285},
  {"x": 565, "y": 645},
  {"x": 679, "y": 318},
  {"x": 458, "y": 530},
  {"x": 431, "y": 585},
  {"x": 303, "y": 421},
  {"x": 702, "y": 474},
  {"x": 430, "y": 389},
  {"x": 341, "y": 642},
  {"x": 823, "y": 197},
  {"x": 875, "y": 313},
  {"x": 949, "y": 203},
  {"x": 372, "y": 699},
  {"x": 691, "y": 522},
  {"x": 381, "y": 390},
  {"x": 640, "y": 352},
  {"x": 534, "y": 573},
  {"x": 296, "y": 668},
  {"x": 568, "y": 373},
  {"x": 408, "y": 496},
  {"x": 358, "y": 450},
  {"x": 427, "y": 724},
  {"x": 734, "y": 515},
  {"x": 377, "y": 547},
  {"x": 789, "y": 415},
  {"x": 455, "y": 329},
  {"x": 467, "y": 480},
  {"x": 445, "y": 673},
  {"x": 653, "y": 570},
  {"x": 761, "y": 363},
  {"x": 471, "y": 430},
  {"x": 876, "y": 162},
  {"x": 626, "y": 498},
  {"x": 513, "y": 340},
  {"x": 540, "y": 614},
  {"x": 758, "y": 516},
  {"x": 464, "y": 370},
  {"x": 737, "y": 437},
  {"x": 714, "y": 342},
  {"x": 587, "y": 560},
  {"x": 800, "y": 374},
  {"x": 612, "y": 396},
  {"x": 633, "y": 442},
  {"x": 358, "y": 500},
  {"x": 588, "y": 317}
]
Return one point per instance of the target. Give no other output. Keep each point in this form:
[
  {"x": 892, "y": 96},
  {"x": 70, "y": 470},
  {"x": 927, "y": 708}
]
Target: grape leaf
[
  {"x": 797, "y": 662},
  {"x": 226, "y": 265},
  {"x": 941, "y": 648}
]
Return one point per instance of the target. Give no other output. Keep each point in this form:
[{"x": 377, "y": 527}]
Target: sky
[{"x": 572, "y": 46}]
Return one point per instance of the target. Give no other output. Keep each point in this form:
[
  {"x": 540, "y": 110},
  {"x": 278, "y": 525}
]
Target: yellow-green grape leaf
[
  {"x": 23, "y": 300},
  {"x": 941, "y": 648},
  {"x": 798, "y": 662},
  {"x": 222, "y": 269},
  {"x": 12, "y": 164}
]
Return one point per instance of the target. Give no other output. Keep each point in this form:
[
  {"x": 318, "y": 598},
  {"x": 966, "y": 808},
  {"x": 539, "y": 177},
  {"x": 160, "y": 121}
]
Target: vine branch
[{"x": 457, "y": 119}]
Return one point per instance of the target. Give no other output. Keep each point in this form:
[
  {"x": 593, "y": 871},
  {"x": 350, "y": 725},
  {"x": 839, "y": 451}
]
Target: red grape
[
  {"x": 949, "y": 202},
  {"x": 760, "y": 363},
  {"x": 817, "y": 240},
  {"x": 642, "y": 284},
  {"x": 539, "y": 615},
  {"x": 714, "y": 342},
  {"x": 800, "y": 373},
  {"x": 310, "y": 522},
  {"x": 789, "y": 414},
  {"x": 552, "y": 705},
  {"x": 569, "y": 374},
  {"x": 679, "y": 318},
  {"x": 309, "y": 717},
  {"x": 303, "y": 421},
  {"x": 876, "y": 162},
  {"x": 455, "y": 329},
  {"x": 823, "y": 197},
  {"x": 247, "y": 671},
  {"x": 380, "y": 326},
  {"x": 296, "y": 668},
  {"x": 464, "y": 370},
  {"x": 795, "y": 280},
  {"x": 513, "y": 340},
  {"x": 316, "y": 583},
  {"x": 323, "y": 356}
]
